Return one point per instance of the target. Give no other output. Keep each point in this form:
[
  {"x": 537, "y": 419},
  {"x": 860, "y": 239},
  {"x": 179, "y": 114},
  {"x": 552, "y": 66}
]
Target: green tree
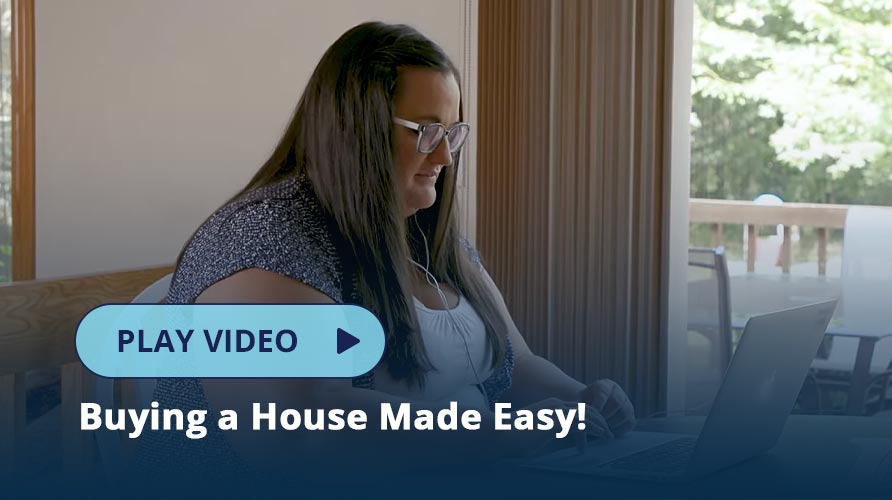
[{"x": 793, "y": 97}]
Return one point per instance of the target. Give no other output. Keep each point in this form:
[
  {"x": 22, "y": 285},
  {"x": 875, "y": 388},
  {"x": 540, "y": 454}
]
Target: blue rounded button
[{"x": 230, "y": 340}]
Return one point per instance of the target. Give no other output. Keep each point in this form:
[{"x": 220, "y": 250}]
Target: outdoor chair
[
  {"x": 709, "y": 326},
  {"x": 866, "y": 294},
  {"x": 878, "y": 399}
]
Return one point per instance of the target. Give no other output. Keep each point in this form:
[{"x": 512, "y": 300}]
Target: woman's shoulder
[
  {"x": 473, "y": 254},
  {"x": 280, "y": 228}
]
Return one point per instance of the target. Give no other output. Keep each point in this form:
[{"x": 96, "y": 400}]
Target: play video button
[
  {"x": 230, "y": 340},
  {"x": 345, "y": 341}
]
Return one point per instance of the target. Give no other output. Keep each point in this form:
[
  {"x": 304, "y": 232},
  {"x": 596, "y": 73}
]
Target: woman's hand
[
  {"x": 609, "y": 399},
  {"x": 525, "y": 443}
]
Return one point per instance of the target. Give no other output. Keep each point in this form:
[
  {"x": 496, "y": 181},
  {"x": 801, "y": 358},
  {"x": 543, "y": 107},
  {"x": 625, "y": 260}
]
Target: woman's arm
[
  {"x": 535, "y": 378},
  {"x": 260, "y": 286}
]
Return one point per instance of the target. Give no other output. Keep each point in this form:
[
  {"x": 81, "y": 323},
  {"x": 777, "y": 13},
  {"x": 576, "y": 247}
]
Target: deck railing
[{"x": 823, "y": 217}]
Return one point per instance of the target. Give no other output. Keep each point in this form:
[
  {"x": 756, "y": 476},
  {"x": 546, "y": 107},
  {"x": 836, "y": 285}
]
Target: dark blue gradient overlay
[{"x": 817, "y": 458}]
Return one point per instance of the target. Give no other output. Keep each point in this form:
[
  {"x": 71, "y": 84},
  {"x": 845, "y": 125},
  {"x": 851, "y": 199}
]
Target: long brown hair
[{"x": 341, "y": 135}]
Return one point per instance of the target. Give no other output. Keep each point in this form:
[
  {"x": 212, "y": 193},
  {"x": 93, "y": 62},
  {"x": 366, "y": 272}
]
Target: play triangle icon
[{"x": 345, "y": 341}]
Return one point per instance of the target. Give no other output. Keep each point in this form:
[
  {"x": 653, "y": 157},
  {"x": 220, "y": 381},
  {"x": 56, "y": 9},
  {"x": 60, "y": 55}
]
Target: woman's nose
[{"x": 441, "y": 155}]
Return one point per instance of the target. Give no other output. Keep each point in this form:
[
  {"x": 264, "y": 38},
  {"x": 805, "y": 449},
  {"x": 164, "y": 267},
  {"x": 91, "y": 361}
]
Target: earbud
[{"x": 432, "y": 281}]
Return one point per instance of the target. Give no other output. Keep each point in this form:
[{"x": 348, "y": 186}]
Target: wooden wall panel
[{"x": 38, "y": 319}]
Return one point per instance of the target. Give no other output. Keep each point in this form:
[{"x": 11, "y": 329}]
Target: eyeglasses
[{"x": 430, "y": 135}]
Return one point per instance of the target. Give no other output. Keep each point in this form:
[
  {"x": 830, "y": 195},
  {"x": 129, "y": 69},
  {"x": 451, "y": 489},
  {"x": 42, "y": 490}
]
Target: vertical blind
[{"x": 571, "y": 153}]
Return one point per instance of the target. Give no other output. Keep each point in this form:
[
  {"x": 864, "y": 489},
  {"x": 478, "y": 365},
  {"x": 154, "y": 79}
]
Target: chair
[
  {"x": 39, "y": 319},
  {"x": 878, "y": 399},
  {"x": 154, "y": 293},
  {"x": 709, "y": 326},
  {"x": 866, "y": 293},
  {"x": 114, "y": 447}
]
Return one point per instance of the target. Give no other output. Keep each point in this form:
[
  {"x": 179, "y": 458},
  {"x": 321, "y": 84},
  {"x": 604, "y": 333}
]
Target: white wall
[{"x": 151, "y": 113}]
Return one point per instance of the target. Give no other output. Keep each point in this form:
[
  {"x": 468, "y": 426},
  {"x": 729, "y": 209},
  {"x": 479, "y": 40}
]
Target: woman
[{"x": 356, "y": 205}]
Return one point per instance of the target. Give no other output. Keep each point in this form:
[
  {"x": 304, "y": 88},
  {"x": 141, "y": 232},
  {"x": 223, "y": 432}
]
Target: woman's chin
[{"x": 420, "y": 202}]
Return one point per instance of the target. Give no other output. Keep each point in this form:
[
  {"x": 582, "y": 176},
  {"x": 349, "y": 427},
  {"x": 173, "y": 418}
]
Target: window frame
[{"x": 23, "y": 206}]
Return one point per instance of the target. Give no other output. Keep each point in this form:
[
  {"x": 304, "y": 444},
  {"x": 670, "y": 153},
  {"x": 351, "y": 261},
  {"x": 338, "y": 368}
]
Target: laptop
[{"x": 748, "y": 414}]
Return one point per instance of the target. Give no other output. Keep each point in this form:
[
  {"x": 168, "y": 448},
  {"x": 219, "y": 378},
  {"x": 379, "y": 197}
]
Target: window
[
  {"x": 5, "y": 141},
  {"x": 792, "y": 102},
  {"x": 16, "y": 139},
  {"x": 791, "y": 135}
]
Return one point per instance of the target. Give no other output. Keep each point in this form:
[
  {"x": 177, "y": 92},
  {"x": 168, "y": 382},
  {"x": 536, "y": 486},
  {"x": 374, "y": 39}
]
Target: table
[
  {"x": 817, "y": 456},
  {"x": 862, "y": 314}
]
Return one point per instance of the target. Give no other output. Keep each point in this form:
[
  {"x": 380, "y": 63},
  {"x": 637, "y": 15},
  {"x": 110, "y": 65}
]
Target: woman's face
[{"x": 424, "y": 96}]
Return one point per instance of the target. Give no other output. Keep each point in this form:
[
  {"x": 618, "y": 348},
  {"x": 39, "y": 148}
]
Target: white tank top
[{"x": 453, "y": 378}]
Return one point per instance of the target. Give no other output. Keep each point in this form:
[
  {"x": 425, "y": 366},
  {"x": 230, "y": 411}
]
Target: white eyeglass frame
[{"x": 419, "y": 127}]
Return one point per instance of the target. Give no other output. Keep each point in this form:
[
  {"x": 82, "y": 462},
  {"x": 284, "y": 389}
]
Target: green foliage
[
  {"x": 793, "y": 97},
  {"x": 5, "y": 262}
]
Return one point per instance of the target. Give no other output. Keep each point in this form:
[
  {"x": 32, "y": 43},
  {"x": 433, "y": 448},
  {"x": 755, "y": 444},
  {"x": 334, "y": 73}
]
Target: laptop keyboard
[{"x": 669, "y": 458}]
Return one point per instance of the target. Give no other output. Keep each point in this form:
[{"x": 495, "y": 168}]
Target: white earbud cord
[{"x": 433, "y": 282}]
